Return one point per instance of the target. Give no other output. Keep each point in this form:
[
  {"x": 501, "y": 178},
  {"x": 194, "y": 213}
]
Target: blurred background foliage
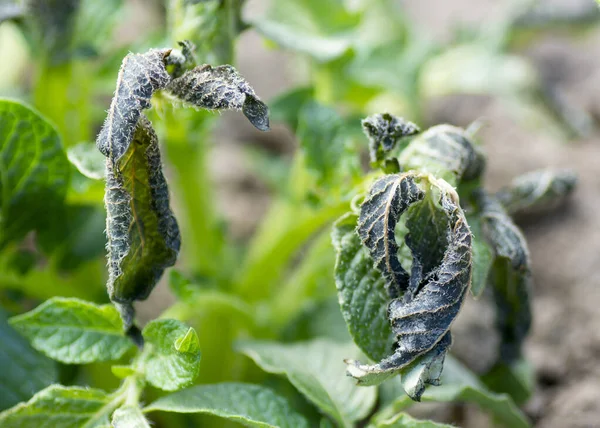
[{"x": 257, "y": 262}]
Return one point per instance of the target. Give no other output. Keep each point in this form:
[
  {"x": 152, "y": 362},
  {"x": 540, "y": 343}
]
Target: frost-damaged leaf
[
  {"x": 510, "y": 276},
  {"x": 421, "y": 318},
  {"x": 88, "y": 160},
  {"x": 73, "y": 331},
  {"x": 24, "y": 371},
  {"x": 446, "y": 152},
  {"x": 537, "y": 191},
  {"x": 143, "y": 236},
  {"x": 384, "y": 131},
  {"x": 59, "y": 406},
  {"x": 315, "y": 368},
  {"x": 247, "y": 404},
  {"x": 403, "y": 420},
  {"x": 171, "y": 358},
  {"x": 129, "y": 417},
  {"x": 34, "y": 171},
  {"x": 53, "y": 23},
  {"x": 220, "y": 88},
  {"x": 361, "y": 291},
  {"x": 139, "y": 77},
  {"x": 458, "y": 384},
  {"x": 388, "y": 198}
]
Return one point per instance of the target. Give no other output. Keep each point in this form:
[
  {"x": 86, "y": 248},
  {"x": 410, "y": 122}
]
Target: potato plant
[{"x": 336, "y": 313}]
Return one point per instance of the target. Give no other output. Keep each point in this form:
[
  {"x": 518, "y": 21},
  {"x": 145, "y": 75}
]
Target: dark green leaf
[
  {"x": 510, "y": 277},
  {"x": 384, "y": 131},
  {"x": 171, "y": 358},
  {"x": 403, "y": 420},
  {"x": 286, "y": 107},
  {"x": 458, "y": 384},
  {"x": 73, "y": 331},
  {"x": 316, "y": 369},
  {"x": 537, "y": 191},
  {"x": 250, "y": 405},
  {"x": 88, "y": 160},
  {"x": 446, "y": 152},
  {"x": 361, "y": 291},
  {"x": 34, "y": 171},
  {"x": 220, "y": 88},
  {"x": 516, "y": 379},
  {"x": 59, "y": 406},
  {"x": 24, "y": 371},
  {"x": 483, "y": 257},
  {"x": 129, "y": 417},
  {"x": 143, "y": 236}
]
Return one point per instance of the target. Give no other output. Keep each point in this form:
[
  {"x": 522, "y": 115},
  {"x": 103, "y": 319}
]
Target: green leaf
[
  {"x": 34, "y": 171},
  {"x": 321, "y": 29},
  {"x": 538, "y": 191},
  {"x": 143, "y": 235},
  {"x": 129, "y": 417},
  {"x": 59, "y": 406},
  {"x": 458, "y": 384},
  {"x": 96, "y": 22},
  {"x": 88, "y": 160},
  {"x": 516, "y": 379},
  {"x": 361, "y": 291},
  {"x": 286, "y": 107},
  {"x": 250, "y": 405},
  {"x": 446, "y": 152},
  {"x": 316, "y": 369},
  {"x": 483, "y": 257},
  {"x": 171, "y": 358},
  {"x": 403, "y": 420},
  {"x": 322, "y": 319},
  {"x": 24, "y": 371},
  {"x": 73, "y": 331}
]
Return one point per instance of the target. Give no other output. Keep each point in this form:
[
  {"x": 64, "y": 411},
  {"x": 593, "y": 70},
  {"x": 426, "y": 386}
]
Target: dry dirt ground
[{"x": 564, "y": 345}]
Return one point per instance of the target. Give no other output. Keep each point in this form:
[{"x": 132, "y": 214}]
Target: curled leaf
[
  {"x": 446, "y": 152},
  {"x": 139, "y": 77},
  {"x": 510, "y": 276},
  {"x": 143, "y": 236},
  {"x": 422, "y": 316},
  {"x": 388, "y": 198},
  {"x": 384, "y": 131},
  {"x": 220, "y": 88},
  {"x": 182, "y": 59},
  {"x": 537, "y": 191}
]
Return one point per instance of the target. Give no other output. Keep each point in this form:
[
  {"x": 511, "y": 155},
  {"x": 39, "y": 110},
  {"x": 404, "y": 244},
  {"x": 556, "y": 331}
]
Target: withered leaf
[{"x": 384, "y": 131}]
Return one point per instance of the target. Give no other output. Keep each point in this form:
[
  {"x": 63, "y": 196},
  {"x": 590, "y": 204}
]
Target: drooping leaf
[
  {"x": 483, "y": 257},
  {"x": 537, "y": 191},
  {"x": 24, "y": 371},
  {"x": 53, "y": 24},
  {"x": 88, "y": 160},
  {"x": 247, "y": 404},
  {"x": 384, "y": 131},
  {"x": 510, "y": 276},
  {"x": 34, "y": 171},
  {"x": 446, "y": 152},
  {"x": 421, "y": 318},
  {"x": 403, "y": 420},
  {"x": 60, "y": 406},
  {"x": 315, "y": 368},
  {"x": 220, "y": 88},
  {"x": 361, "y": 291},
  {"x": 171, "y": 358},
  {"x": 321, "y": 29},
  {"x": 458, "y": 384},
  {"x": 129, "y": 417},
  {"x": 143, "y": 236},
  {"x": 73, "y": 331},
  {"x": 139, "y": 77}
]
